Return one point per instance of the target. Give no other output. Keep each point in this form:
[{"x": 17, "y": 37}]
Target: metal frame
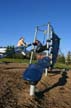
[
  {"x": 49, "y": 35},
  {"x": 37, "y": 28}
]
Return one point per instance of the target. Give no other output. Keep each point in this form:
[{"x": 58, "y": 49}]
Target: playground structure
[{"x": 34, "y": 72}]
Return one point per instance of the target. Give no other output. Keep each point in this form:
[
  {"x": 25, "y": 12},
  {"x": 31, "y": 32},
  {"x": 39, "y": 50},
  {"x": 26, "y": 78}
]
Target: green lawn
[
  {"x": 13, "y": 60},
  {"x": 61, "y": 65}
]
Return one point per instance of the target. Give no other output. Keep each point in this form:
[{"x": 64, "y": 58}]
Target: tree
[
  {"x": 68, "y": 58},
  {"x": 61, "y": 58},
  {"x": 10, "y": 51}
]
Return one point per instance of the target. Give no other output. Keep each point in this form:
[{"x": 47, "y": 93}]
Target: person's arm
[{"x": 24, "y": 44}]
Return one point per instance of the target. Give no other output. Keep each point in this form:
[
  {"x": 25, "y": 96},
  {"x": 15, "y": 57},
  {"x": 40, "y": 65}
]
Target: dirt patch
[{"x": 54, "y": 91}]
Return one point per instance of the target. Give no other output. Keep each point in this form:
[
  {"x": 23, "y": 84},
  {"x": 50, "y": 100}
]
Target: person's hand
[{"x": 34, "y": 43}]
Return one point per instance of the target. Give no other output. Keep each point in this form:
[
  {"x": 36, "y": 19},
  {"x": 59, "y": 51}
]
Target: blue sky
[{"x": 19, "y": 17}]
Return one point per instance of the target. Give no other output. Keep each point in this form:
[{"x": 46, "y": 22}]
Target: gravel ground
[{"x": 54, "y": 91}]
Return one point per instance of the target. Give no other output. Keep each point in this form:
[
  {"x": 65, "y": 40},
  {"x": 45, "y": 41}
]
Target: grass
[
  {"x": 13, "y": 60},
  {"x": 61, "y": 66}
]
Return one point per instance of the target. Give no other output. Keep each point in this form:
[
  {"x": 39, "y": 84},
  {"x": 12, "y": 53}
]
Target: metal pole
[
  {"x": 31, "y": 57},
  {"x": 35, "y": 36},
  {"x": 51, "y": 55},
  {"x": 48, "y": 37},
  {"x": 47, "y": 54},
  {"x": 49, "y": 30},
  {"x": 32, "y": 90},
  {"x": 46, "y": 71}
]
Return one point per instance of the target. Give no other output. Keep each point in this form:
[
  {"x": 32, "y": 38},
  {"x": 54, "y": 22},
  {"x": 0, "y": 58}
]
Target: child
[{"x": 22, "y": 45}]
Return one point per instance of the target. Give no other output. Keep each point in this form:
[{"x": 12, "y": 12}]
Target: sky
[{"x": 19, "y": 18}]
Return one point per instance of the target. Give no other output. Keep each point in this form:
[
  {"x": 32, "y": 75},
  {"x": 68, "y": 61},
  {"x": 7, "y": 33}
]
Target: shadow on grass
[
  {"x": 57, "y": 71},
  {"x": 61, "y": 82},
  {"x": 54, "y": 72}
]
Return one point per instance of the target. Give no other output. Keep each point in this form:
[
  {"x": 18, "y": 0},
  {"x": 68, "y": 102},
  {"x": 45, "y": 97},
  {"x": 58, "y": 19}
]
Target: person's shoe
[{"x": 23, "y": 53}]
